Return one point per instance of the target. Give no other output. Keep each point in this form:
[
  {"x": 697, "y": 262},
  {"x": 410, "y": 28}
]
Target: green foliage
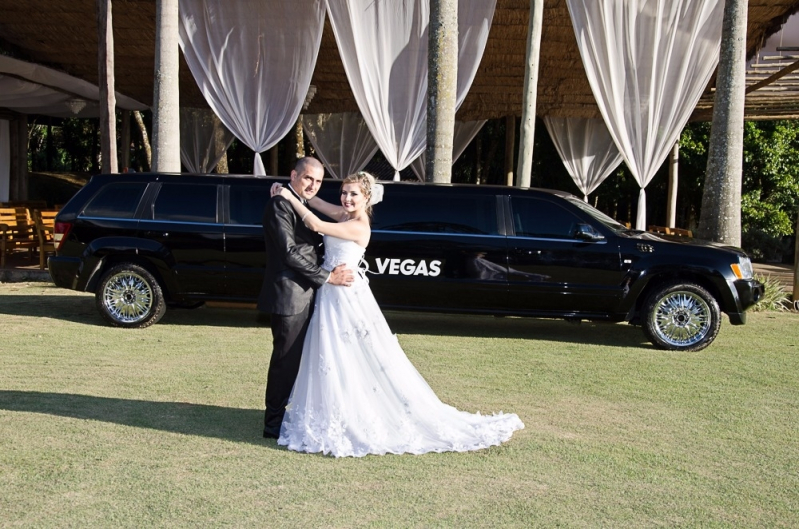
[{"x": 774, "y": 298}]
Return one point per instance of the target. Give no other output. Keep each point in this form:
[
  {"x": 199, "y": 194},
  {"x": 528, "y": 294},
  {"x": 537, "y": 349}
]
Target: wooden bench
[
  {"x": 665, "y": 230},
  {"x": 44, "y": 220},
  {"x": 16, "y": 232}
]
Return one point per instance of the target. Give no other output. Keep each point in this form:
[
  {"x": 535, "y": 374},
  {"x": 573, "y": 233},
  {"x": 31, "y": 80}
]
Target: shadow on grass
[
  {"x": 231, "y": 424},
  {"x": 81, "y": 309}
]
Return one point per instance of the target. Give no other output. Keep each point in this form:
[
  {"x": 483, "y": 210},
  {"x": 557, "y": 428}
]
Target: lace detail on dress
[{"x": 357, "y": 393}]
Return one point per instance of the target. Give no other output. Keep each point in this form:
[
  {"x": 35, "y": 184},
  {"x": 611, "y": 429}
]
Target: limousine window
[
  {"x": 118, "y": 201},
  {"x": 598, "y": 215},
  {"x": 187, "y": 203},
  {"x": 439, "y": 213},
  {"x": 247, "y": 204},
  {"x": 533, "y": 217}
]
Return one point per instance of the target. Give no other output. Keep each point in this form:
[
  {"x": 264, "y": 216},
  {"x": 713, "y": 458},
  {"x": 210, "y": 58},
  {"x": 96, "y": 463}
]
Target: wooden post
[
  {"x": 18, "y": 166},
  {"x": 721, "y": 198},
  {"x": 442, "y": 86},
  {"x": 674, "y": 164},
  {"x": 105, "y": 77},
  {"x": 166, "y": 96},
  {"x": 510, "y": 142},
  {"x": 273, "y": 159},
  {"x": 796, "y": 266},
  {"x": 524, "y": 166},
  {"x": 124, "y": 140}
]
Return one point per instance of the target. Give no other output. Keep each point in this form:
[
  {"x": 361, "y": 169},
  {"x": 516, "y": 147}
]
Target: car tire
[
  {"x": 129, "y": 296},
  {"x": 681, "y": 316}
]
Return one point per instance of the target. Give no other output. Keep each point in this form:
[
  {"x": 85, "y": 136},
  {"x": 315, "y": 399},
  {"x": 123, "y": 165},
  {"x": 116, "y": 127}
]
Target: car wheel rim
[
  {"x": 128, "y": 297},
  {"x": 682, "y": 319}
]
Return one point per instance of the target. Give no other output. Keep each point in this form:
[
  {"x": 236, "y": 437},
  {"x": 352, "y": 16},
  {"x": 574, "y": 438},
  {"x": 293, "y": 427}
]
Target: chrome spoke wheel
[
  {"x": 128, "y": 297},
  {"x": 681, "y": 318}
]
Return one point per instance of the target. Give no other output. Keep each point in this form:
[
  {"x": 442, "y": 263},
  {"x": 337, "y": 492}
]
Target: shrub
[{"x": 774, "y": 298}]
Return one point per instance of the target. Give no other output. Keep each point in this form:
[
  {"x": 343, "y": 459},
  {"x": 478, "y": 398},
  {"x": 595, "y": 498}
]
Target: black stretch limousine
[{"x": 143, "y": 242}]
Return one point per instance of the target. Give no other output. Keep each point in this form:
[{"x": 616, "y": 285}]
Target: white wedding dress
[{"x": 357, "y": 393}]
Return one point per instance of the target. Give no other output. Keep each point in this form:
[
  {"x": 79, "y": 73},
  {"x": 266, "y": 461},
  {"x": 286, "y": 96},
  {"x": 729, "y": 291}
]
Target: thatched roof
[{"x": 62, "y": 34}]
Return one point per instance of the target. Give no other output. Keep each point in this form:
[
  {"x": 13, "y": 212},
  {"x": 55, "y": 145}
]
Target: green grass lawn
[{"x": 162, "y": 427}]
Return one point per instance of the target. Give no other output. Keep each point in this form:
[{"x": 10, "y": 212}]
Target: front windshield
[{"x": 596, "y": 214}]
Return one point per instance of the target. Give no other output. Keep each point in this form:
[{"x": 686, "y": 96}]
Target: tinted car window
[
  {"x": 187, "y": 203},
  {"x": 247, "y": 204},
  {"x": 117, "y": 201},
  {"x": 533, "y": 217},
  {"x": 439, "y": 213}
]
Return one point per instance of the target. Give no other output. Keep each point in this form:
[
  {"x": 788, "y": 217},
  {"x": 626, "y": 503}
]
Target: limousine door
[
  {"x": 245, "y": 248},
  {"x": 184, "y": 221},
  {"x": 553, "y": 272},
  {"x": 438, "y": 250}
]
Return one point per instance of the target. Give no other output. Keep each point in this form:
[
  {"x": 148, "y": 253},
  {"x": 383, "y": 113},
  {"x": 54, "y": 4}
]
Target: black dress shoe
[{"x": 270, "y": 435}]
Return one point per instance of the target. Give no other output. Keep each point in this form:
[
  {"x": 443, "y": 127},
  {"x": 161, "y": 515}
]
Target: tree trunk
[
  {"x": 510, "y": 143},
  {"x": 124, "y": 140},
  {"x": 674, "y": 178},
  {"x": 166, "y": 96},
  {"x": 105, "y": 77},
  {"x": 721, "y": 200},
  {"x": 442, "y": 86},
  {"x": 524, "y": 165},
  {"x": 145, "y": 139}
]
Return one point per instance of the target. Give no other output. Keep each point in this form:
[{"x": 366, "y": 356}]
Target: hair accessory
[{"x": 377, "y": 194}]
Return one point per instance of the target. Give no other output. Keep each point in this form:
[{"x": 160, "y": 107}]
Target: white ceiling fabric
[
  {"x": 465, "y": 131},
  {"x": 648, "y": 62},
  {"x": 34, "y": 89},
  {"x": 383, "y": 46},
  {"x": 342, "y": 141},
  {"x": 203, "y": 139},
  {"x": 586, "y": 149},
  {"x": 253, "y": 61}
]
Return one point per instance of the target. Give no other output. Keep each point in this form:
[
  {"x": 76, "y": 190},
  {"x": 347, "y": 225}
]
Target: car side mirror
[{"x": 586, "y": 232}]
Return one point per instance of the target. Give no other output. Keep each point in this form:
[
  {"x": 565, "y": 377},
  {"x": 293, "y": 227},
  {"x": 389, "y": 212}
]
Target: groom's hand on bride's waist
[{"x": 341, "y": 276}]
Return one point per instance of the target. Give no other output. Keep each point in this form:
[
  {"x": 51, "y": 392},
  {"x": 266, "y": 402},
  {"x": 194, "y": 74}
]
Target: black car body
[{"x": 145, "y": 241}]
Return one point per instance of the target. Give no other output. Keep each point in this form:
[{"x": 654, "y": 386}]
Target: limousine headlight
[{"x": 743, "y": 268}]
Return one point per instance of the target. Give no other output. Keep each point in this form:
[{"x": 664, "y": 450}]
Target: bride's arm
[
  {"x": 326, "y": 208},
  {"x": 351, "y": 231}
]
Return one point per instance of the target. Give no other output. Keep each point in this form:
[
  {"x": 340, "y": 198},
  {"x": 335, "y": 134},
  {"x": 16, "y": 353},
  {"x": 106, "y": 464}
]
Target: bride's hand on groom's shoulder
[
  {"x": 341, "y": 276},
  {"x": 276, "y": 189}
]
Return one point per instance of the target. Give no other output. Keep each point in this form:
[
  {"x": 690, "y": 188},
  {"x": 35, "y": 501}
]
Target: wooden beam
[{"x": 770, "y": 79}]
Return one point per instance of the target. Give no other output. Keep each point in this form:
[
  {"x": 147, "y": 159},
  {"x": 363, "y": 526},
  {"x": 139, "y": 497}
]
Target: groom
[{"x": 292, "y": 275}]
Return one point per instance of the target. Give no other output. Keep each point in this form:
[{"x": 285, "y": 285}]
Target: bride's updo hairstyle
[{"x": 369, "y": 187}]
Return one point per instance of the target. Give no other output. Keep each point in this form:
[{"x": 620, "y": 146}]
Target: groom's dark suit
[{"x": 292, "y": 275}]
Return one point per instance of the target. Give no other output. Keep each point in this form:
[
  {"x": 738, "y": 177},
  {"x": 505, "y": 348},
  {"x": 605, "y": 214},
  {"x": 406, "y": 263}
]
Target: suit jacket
[{"x": 293, "y": 261}]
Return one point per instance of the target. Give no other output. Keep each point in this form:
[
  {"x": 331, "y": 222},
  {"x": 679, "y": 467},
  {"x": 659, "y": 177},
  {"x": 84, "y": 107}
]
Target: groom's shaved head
[{"x": 307, "y": 163}]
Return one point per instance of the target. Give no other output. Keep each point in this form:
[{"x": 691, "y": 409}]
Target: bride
[{"x": 356, "y": 392}]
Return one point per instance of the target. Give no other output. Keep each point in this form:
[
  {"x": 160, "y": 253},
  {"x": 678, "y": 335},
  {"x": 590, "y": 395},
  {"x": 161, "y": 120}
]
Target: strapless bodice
[{"x": 340, "y": 251}]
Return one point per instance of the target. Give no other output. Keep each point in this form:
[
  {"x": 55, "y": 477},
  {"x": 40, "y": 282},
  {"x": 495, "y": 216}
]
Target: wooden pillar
[
  {"x": 124, "y": 140},
  {"x": 674, "y": 164},
  {"x": 105, "y": 77},
  {"x": 442, "y": 86},
  {"x": 721, "y": 198},
  {"x": 524, "y": 166},
  {"x": 796, "y": 266},
  {"x": 510, "y": 143},
  {"x": 166, "y": 96},
  {"x": 273, "y": 159},
  {"x": 18, "y": 177}
]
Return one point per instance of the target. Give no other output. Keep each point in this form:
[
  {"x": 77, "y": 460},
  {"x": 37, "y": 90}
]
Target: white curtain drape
[
  {"x": 253, "y": 61},
  {"x": 203, "y": 139},
  {"x": 465, "y": 131},
  {"x": 648, "y": 62},
  {"x": 383, "y": 46},
  {"x": 586, "y": 149},
  {"x": 5, "y": 160},
  {"x": 342, "y": 141}
]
